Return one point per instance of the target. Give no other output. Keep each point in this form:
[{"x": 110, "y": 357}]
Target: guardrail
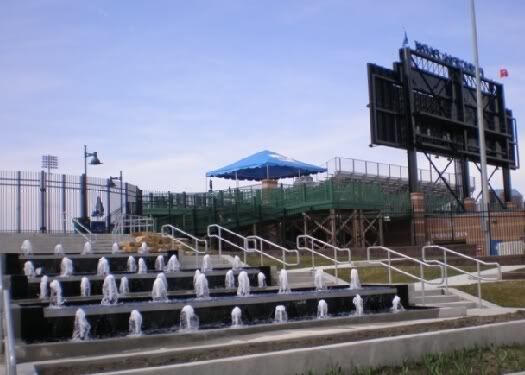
[
  {"x": 446, "y": 265},
  {"x": 169, "y": 231},
  {"x": 262, "y": 241},
  {"x": 403, "y": 257},
  {"x": 317, "y": 241},
  {"x": 88, "y": 236}
]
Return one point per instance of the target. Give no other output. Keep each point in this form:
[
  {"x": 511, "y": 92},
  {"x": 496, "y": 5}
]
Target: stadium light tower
[
  {"x": 481, "y": 132},
  {"x": 48, "y": 162}
]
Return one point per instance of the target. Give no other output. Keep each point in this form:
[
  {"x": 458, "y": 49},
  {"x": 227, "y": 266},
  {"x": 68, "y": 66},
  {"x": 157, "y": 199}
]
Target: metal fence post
[
  {"x": 42, "y": 202},
  {"x": 18, "y": 202},
  {"x": 64, "y": 205},
  {"x": 108, "y": 204}
]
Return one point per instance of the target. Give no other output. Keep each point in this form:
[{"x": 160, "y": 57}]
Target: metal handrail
[
  {"x": 261, "y": 241},
  {"x": 171, "y": 234},
  {"x": 245, "y": 248},
  {"x": 5, "y": 316},
  {"x": 476, "y": 276},
  {"x": 336, "y": 249},
  {"x": 402, "y": 257},
  {"x": 87, "y": 231}
]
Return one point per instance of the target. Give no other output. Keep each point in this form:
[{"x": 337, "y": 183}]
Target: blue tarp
[{"x": 265, "y": 164}]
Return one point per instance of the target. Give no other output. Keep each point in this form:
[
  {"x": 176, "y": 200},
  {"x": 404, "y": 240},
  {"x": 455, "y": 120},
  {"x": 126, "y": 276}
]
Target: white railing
[
  {"x": 170, "y": 232},
  {"x": 216, "y": 231},
  {"x": 402, "y": 257},
  {"x": 126, "y": 223},
  {"x": 315, "y": 241},
  {"x": 6, "y": 321},
  {"x": 477, "y": 276},
  {"x": 259, "y": 241},
  {"x": 88, "y": 236}
]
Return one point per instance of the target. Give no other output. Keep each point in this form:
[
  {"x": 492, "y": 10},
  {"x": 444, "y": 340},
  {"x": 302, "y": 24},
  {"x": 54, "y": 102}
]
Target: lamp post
[
  {"x": 48, "y": 162},
  {"x": 94, "y": 161},
  {"x": 481, "y": 132}
]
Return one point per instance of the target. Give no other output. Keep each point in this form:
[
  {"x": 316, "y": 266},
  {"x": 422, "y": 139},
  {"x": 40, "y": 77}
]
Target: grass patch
[
  {"x": 504, "y": 293},
  {"x": 483, "y": 361}
]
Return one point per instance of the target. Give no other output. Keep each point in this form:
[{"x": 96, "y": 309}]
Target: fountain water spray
[
  {"x": 38, "y": 271},
  {"x": 201, "y": 286},
  {"x": 319, "y": 279},
  {"x": 322, "y": 309},
  {"x": 81, "y": 327},
  {"x": 358, "y": 303},
  {"x": 173, "y": 264},
  {"x": 159, "y": 263},
  {"x": 27, "y": 248},
  {"x": 236, "y": 317},
  {"x": 132, "y": 264},
  {"x": 189, "y": 321},
  {"x": 396, "y": 305},
  {"x": 195, "y": 276},
  {"x": 123, "y": 288},
  {"x": 58, "y": 250},
  {"x": 280, "y": 314},
  {"x": 237, "y": 264},
  {"x": 261, "y": 280},
  {"x": 283, "y": 282},
  {"x": 159, "y": 293},
  {"x": 55, "y": 298},
  {"x": 29, "y": 269},
  {"x": 162, "y": 276},
  {"x": 87, "y": 248},
  {"x": 115, "y": 249},
  {"x": 85, "y": 287},
  {"x": 229, "y": 280},
  {"x": 354, "y": 279},
  {"x": 143, "y": 268},
  {"x": 243, "y": 281},
  {"x": 43, "y": 287},
  {"x": 135, "y": 323},
  {"x": 206, "y": 264},
  {"x": 143, "y": 249},
  {"x": 66, "y": 267},
  {"x": 103, "y": 267},
  {"x": 109, "y": 291}
]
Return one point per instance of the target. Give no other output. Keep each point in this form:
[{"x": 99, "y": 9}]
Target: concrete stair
[{"x": 439, "y": 298}]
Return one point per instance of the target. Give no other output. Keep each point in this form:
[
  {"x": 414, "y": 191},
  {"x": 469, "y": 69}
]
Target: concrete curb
[{"x": 371, "y": 353}]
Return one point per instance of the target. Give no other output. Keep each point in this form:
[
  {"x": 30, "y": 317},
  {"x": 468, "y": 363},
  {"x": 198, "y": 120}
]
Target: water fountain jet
[
  {"x": 103, "y": 267},
  {"x": 29, "y": 269},
  {"x": 354, "y": 279},
  {"x": 159, "y": 263},
  {"x": 358, "y": 303},
  {"x": 109, "y": 291},
  {"x": 81, "y": 327},
  {"x": 115, "y": 249},
  {"x": 85, "y": 287},
  {"x": 189, "y": 321},
  {"x": 135, "y": 323},
  {"x": 237, "y": 264},
  {"x": 322, "y": 309},
  {"x": 56, "y": 298},
  {"x": 143, "y": 249},
  {"x": 173, "y": 264},
  {"x": 396, "y": 305},
  {"x": 58, "y": 250},
  {"x": 281, "y": 316},
  {"x": 27, "y": 248},
  {"x": 159, "y": 293},
  {"x": 132, "y": 264},
  {"x": 143, "y": 268},
  {"x": 43, "y": 287},
  {"x": 261, "y": 280},
  {"x": 123, "y": 288},
  {"x": 319, "y": 279},
  {"x": 236, "y": 317},
  {"x": 229, "y": 280},
  {"x": 201, "y": 286},
  {"x": 243, "y": 281},
  {"x": 87, "y": 248},
  {"x": 66, "y": 267},
  {"x": 283, "y": 282},
  {"x": 206, "y": 264}
]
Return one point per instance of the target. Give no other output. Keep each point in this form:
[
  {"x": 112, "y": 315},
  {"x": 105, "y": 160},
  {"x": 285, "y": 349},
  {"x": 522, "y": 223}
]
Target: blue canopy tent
[{"x": 265, "y": 165}]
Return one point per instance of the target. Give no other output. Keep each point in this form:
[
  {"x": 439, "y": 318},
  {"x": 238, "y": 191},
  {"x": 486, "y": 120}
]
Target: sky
[{"x": 167, "y": 90}]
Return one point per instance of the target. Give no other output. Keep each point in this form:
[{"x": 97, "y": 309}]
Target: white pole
[{"x": 481, "y": 132}]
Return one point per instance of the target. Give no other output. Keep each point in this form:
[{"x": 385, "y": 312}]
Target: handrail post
[
  {"x": 261, "y": 248},
  {"x": 389, "y": 269},
  {"x": 422, "y": 282},
  {"x": 10, "y": 350},
  {"x": 446, "y": 271},
  {"x": 219, "y": 239},
  {"x": 335, "y": 265},
  {"x": 313, "y": 261},
  {"x": 480, "y": 305}
]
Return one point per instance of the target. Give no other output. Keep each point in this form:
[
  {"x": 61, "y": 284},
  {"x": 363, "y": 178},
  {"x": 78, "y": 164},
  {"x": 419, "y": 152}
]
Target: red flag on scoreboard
[{"x": 503, "y": 73}]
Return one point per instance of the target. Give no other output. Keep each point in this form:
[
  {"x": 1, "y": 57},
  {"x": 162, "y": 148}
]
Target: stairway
[{"x": 440, "y": 298}]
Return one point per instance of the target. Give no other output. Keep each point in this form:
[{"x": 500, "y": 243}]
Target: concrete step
[
  {"x": 428, "y": 292},
  {"x": 439, "y": 299},
  {"x": 463, "y": 303}
]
